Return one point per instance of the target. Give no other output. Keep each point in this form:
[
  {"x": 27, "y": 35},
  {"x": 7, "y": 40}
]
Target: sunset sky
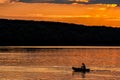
[{"x": 87, "y": 12}]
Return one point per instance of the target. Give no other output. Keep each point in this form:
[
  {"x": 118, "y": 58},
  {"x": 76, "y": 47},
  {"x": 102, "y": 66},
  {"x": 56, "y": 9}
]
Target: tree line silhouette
[{"x": 45, "y": 33}]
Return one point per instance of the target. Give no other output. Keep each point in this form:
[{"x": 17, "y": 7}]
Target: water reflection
[
  {"x": 83, "y": 74},
  {"x": 79, "y": 74}
]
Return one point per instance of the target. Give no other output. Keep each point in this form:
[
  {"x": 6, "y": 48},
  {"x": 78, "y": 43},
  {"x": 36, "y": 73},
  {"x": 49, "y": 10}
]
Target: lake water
[{"x": 55, "y": 64}]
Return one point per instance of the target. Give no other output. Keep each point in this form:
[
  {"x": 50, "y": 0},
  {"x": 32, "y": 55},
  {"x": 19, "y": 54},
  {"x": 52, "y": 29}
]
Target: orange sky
[{"x": 90, "y": 14}]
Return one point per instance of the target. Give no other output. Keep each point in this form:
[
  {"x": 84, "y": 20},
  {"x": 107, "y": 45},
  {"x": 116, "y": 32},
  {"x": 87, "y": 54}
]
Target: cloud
[
  {"x": 8, "y": 1},
  {"x": 42, "y": 1},
  {"x": 75, "y": 1},
  {"x": 5, "y": 1},
  {"x": 79, "y": 1},
  {"x": 55, "y": 1},
  {"x": 105, "y": 1}
]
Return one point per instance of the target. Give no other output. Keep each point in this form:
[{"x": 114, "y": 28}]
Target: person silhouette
[{"x": 83, "y": 66}]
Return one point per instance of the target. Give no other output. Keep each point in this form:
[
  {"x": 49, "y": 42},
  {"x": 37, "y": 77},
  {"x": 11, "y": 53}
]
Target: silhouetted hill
[{"x": 19, "y": 32}]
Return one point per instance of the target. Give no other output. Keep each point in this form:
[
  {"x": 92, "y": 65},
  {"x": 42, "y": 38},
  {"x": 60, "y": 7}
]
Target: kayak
[{"x": 80, "y": 70}]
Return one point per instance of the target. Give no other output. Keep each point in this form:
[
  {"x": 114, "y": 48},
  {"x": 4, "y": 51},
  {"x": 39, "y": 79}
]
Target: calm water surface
[{"x": 55, "y": 64}]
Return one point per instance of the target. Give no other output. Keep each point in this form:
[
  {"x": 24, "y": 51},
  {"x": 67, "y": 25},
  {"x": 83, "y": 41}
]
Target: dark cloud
[
  {"x": 105, "y": 1},
  {"x": 46, "y": 1},
  {"x": 72, "y": 1}
]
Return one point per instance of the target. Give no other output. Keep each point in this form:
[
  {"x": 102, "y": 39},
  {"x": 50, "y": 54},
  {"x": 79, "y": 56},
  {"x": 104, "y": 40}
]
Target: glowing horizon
[{"x": 86, "y": 14}]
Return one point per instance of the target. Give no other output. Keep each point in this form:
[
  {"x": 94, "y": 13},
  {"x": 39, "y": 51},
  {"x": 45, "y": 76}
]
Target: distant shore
[{"x": 45, "y": 33}]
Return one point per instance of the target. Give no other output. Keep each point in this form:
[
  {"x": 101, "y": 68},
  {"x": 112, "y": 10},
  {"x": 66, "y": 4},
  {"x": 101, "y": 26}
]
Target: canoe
[{"x": 80, "y": 70}]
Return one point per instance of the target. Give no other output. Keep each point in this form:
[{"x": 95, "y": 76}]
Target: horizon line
[{"x": 96, "y": 47}]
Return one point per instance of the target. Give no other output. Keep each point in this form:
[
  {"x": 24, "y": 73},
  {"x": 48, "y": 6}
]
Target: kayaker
[{"x": 83, "y": 66}]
